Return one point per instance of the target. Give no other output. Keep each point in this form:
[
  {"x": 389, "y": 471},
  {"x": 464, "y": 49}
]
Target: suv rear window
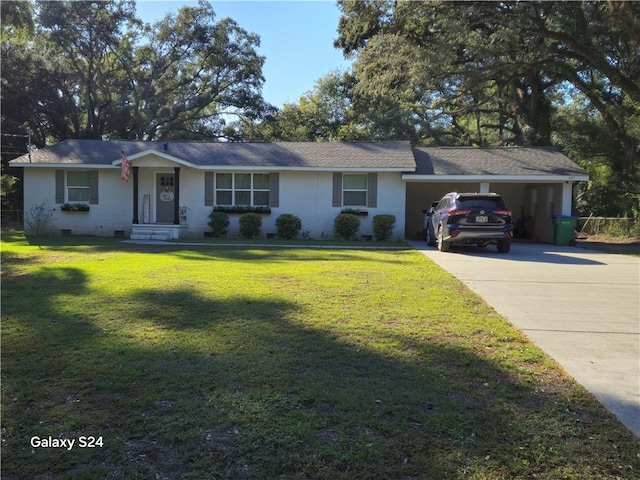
[{"x": 487, "y": 203}]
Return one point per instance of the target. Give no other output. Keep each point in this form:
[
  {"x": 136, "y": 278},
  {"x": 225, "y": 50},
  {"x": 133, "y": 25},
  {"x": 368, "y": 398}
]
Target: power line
[
  {"x": 27, "y": 136},
  {"x": 15, "y": 147},
  {"x": 13, "y": 135}
]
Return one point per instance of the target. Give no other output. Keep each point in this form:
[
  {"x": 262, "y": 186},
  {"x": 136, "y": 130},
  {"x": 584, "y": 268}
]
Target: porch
[{"x": 156, "y": 201}]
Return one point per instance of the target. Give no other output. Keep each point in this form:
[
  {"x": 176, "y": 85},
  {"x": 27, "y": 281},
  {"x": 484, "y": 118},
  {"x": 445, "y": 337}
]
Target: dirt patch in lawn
[{"x": 623, "y": 245}]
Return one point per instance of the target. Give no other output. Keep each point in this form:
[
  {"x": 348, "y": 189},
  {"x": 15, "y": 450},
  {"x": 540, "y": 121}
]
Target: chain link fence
[{"x": 12, "y": 220}]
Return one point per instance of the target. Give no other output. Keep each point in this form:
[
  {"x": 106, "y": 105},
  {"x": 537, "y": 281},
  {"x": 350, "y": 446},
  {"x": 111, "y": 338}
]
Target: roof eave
[
  {"x": 270, "y": 168},
  {"x": 495, "y": 178},
  {"x": 64, "y": 165},
  {"x": 300, "y": 168}
]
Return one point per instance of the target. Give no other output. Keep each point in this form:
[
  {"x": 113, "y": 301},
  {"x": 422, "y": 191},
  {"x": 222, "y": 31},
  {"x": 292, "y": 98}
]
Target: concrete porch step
[
  {"x": 157, "y": 231},
  {"x": 150, "y": 236}
]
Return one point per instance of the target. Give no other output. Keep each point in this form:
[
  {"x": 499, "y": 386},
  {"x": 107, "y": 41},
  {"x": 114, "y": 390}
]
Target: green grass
[{"x": 287, "y": 363}]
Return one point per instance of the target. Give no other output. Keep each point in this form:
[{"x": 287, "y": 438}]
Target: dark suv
[{"x": 472, "y": 218}]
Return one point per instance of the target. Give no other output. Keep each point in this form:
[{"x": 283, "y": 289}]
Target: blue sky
[{"x": 296, "y": 37}]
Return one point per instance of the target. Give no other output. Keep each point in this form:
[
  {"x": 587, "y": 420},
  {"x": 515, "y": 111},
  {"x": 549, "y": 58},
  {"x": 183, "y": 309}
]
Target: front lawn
[{"x": 289, "y": 363}]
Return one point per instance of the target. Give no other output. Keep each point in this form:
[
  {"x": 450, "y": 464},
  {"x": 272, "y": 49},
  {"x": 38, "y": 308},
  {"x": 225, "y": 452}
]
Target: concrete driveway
[{"x": 582, "y": 307}]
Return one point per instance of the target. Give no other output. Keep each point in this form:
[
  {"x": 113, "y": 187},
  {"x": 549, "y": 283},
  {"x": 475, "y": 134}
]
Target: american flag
[{"x": 126, "y": 168}]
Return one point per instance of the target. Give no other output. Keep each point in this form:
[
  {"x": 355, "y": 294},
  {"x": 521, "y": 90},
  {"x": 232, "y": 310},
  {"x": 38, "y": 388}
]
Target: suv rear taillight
[
  {"x": 459, "y": 212},
  {"x": 502, "y": 212}
]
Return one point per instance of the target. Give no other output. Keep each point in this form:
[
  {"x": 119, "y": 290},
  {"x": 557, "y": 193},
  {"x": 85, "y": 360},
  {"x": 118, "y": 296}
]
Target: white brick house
[{"x": 315, "y": 181}]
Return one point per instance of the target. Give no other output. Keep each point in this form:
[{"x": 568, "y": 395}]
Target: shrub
[
  {"x": 39, "y": 216},
  {"x": 250, "y": 225},
  {"x": 383, "y": 226},
  {"x": 219, "y": 222},
  {"x": 288, "y": 226},
  {"x": 346, "y": 226}
]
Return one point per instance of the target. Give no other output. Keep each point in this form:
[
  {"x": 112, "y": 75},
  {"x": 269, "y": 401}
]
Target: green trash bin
[{"x": 564, "y": 228}]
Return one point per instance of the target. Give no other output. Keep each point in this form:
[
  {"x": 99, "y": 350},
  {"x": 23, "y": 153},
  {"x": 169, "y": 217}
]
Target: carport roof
[{"x": 498, "y": 161}]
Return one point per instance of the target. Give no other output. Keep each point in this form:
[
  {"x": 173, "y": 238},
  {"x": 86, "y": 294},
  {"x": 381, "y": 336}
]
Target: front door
[{"x": 165, "y": 199}]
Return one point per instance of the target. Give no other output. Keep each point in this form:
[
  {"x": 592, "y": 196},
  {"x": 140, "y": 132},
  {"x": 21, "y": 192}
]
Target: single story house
[{"x": 173, "y": 186}]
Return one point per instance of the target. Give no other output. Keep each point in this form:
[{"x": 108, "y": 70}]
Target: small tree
[
  {"x": 288, "y": 226},
  {"x": 219, "y": 222},
  {"x": 346, "y": 226},
  {"x": 39, "y": 216},
  {"x": 250, "y": 225},
  {"x": 8, "y": 185},
  {"x": 383, "y": 226}
]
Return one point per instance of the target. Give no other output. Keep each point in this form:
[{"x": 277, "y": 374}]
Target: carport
[{"x": 535, "y": 182}]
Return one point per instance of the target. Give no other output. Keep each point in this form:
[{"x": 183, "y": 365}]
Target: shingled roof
[
  {"x": 508, "y": 161},
  {"x": 330, "y": 155},
  {"x": 392, "y": 156}
]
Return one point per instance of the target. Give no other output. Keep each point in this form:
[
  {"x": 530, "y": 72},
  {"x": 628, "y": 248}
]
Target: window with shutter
[
  {"x": 355, "y": 190},
  {"x": 242, "y": 189},
  {"x": 77, "y": 186}
]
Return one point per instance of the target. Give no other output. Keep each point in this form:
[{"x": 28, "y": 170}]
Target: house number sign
[{"x": 166, "y": 196}]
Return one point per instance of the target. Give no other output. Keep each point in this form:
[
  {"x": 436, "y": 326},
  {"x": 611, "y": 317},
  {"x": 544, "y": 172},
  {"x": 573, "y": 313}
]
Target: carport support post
[
  {"x": 484, "y": 187},
  {"x": 567, "y": 197}
]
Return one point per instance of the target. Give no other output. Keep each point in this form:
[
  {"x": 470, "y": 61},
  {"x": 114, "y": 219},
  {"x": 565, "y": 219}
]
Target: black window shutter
[
  {"x": 93, "y": 187},
  {"x": 274, "y": 190},
  {"x": 59, "y": 186},
  {"x": 208, "y": 189},
  {"x": 372, "y": 194},
  {"x": 337, "y": 189}
]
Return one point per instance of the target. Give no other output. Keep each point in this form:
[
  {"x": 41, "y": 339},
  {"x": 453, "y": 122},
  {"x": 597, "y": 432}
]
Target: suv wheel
[
  {"x": 504, "y": 245},
  {"x": 442, "y": 245}
]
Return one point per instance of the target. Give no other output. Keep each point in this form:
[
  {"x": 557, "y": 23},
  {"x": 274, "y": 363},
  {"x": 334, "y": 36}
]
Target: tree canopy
[
  {"x": 91, "y": 69},
  {"x": 322, "y": 114},
  {"x": 480, "y": 73}
]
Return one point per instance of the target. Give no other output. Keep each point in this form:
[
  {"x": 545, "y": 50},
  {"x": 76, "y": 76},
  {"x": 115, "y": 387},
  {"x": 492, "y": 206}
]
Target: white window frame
[
  {"x": 365, "y": 189},
  {"x": 69, "y": 187},
  {"x": 235, "y": 190}
]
